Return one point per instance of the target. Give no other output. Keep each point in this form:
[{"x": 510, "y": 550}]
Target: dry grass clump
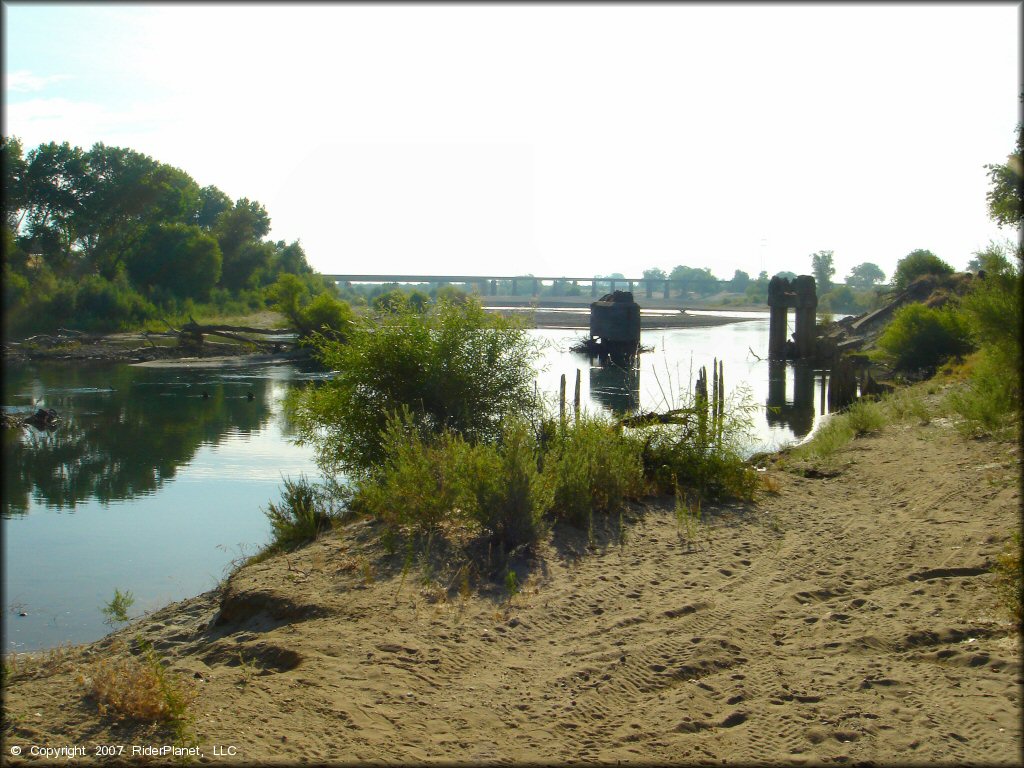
[{"x": 138, "y": 689}]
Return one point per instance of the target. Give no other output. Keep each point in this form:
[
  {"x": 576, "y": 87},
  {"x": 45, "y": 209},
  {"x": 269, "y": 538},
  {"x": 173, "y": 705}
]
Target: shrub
[
  {"x": 917, "y": 263},
  {"x": 301, "y": 516},
  {"x": 506, "y": 494},
  {"x": 592, "y": 466},
  {"x": 454, "y": 367},
  {"x": 1009, "y": 581},
  {"x": 864, "y": 417},
  {"x": 417, "y": 483},
  {"x": 140, "y": 689},
  {"x": 922, "y": 337}
]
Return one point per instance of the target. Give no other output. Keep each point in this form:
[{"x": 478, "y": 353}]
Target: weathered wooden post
[
  {"x": 576, "y": 399},
  {"x": 561, "y": 401}
]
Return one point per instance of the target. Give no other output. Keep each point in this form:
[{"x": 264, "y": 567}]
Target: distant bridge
[{"x": 488, "y": 284}]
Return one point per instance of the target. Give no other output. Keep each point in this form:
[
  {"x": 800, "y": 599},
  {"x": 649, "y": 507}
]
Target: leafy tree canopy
[
  {"x": 917, "y": 263},
  {"x": 823, "y": 268},
  {"x": 865, "y": 276}
]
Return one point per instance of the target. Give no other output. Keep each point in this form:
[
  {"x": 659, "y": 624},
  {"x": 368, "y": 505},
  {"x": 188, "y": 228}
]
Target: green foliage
[
  {"x": 592, "y": 467},
  {"x": 1006, "y": 197},
  {"x": 843, "y": 299},
  {"x": 922, "y": 337},
  {"x": 116, "y": 611},
  {"x": 740, "y": 281},
  {"x": 454, "y": 367},
  {"x": 321, "y": 314},
  {"x": 417, "y": 484},
  {"x": 302, "y": 514},
  {"x": 823, "y": 268},
  {"x": 828, "y": 439},
  {"x": 918, "y": 263},
  {"x": 1009, "y": 581},
  {"x": 179, "y": 258},
  {"x": 865, "y": 275},
  {"x": 699, "y": 281},
  {"x": 505, "y": 492},
  {"x": 865, "y": 417}
]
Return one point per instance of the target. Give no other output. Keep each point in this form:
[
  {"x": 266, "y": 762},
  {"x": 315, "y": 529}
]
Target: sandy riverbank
[{"x": 844, "y": 618}]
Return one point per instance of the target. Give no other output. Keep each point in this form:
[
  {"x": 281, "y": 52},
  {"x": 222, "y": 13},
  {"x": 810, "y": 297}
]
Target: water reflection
[
  {"x": 797, "y": 413},
  {"x": 123, "y": 432},
  {"x": 615, "y": 386}
]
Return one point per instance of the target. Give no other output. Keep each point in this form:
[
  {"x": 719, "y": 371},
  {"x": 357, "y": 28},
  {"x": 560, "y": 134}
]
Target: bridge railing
[{"x": 530, "y": 285}]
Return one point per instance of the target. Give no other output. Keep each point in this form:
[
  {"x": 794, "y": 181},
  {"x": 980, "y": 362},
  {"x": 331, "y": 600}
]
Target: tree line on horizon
[{"x": 109, "y": 238}]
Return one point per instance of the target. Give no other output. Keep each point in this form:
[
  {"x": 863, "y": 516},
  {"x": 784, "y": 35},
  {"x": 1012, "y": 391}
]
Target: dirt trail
[{"x": 845, "y": 618}]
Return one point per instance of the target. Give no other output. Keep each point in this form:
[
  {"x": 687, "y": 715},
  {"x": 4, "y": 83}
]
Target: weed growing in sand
[
  {"x": 248, "y": 667},
  {"x": 511, "y": 584},
  {"x": 303, "y": 514},
  {"x": 770, "y": 484},
  {"x": 141, "y": 689},
  {"x": 688, "y": 518},
  {"x": 907, "y": 405},
  {"x": 864, "y": 417},
  {"x": 833, "y": 435},
  {"x": 592, "y": 467},
  {"x": 1009, "y": 583},
  {"x": 116, "y": 611}
]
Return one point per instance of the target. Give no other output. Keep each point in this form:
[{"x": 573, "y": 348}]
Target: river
[{"x": 155, "y": 478}]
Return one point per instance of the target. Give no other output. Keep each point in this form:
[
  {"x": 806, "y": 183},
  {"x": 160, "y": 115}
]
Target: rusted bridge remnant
[{"x": 801, "y": 295}]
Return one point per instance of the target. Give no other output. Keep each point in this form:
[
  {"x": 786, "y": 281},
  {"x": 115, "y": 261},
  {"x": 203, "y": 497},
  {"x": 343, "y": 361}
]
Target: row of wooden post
[{"x": 716, "y": 401}]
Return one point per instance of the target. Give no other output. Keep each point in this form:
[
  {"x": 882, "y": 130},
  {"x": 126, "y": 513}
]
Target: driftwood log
[{"x": 193, "y": 333}]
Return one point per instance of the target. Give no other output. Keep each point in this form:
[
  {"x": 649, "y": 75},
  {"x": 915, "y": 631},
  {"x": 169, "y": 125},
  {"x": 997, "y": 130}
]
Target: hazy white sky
[{"x": 557, "y": 140}]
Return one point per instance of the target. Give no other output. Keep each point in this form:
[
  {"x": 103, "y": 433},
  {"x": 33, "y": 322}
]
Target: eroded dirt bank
[{"x": 844, "y": 618}]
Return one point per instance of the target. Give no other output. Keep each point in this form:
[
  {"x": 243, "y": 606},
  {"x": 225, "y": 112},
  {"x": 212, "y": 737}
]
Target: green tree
[
  {"x": 865, "y": 276},
  {"x": 180, "y": 259},
  {"x": 917, "y": 263},
  {"x": 823, "y": 269},
  {"x": 1006, "y": 196},
  {"x": 14, "y": 167},
  {"x": 239, "y": 231},
  {"x": 992, "y": 259},
  {"x": 700, "y": 281},
  {"x": 740, "y": 281},
  {"x": 655, "y": 273}
]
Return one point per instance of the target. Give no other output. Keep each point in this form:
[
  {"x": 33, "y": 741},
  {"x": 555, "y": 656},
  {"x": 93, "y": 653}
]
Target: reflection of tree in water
[
  {"x": 616, "y": 385},
  {"x": 119, "y": 444},
  {"x": 798, "y": 415}
]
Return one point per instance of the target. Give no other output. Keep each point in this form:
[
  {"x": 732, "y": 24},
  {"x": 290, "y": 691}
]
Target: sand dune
[{"x": 844, "y": 618}]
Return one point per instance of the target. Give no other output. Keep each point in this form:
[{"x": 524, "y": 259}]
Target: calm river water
[{"x": 155, "y": 478}]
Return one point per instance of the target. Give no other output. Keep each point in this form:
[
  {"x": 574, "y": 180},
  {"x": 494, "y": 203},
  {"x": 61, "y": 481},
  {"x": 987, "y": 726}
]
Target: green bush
[
  {"x": 417, "y": 483},
  {"x": 592, "y": 466},
  {"x": 917, "y": 263},
  {"x": 922, "y": 337},
  {"x": 506, "y": 493},
  {"x": 302, "y": 515},
  {"x": 864, "y": 417},
  {"x": 454, "y": 367}
]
